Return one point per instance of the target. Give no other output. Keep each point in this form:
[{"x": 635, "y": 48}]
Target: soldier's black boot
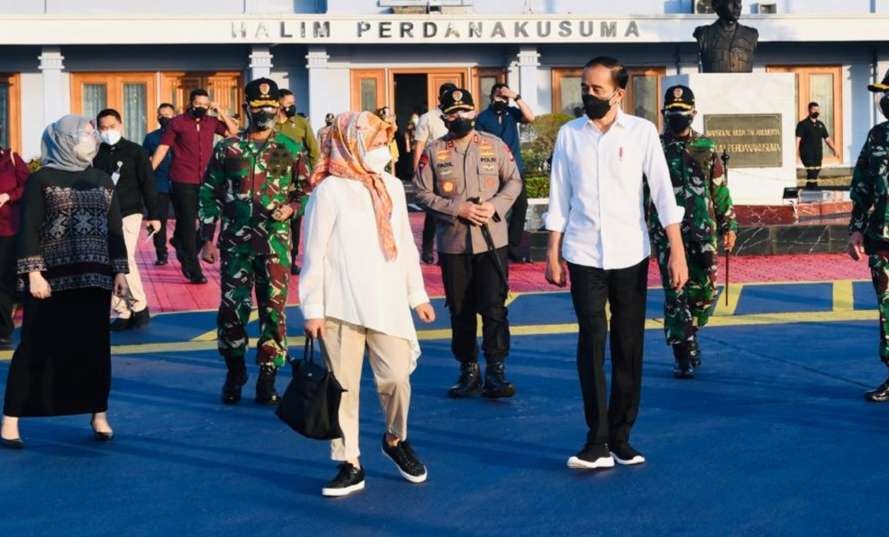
[
  {"x": 470, "y": 382},
  {"x": 682, "y": 368},
  {"x": 880, "y": 394},
  {"x": 265, "y": 385},
  {"x": 496, "y": 385},
  {"x": 695, "y": 352},
  {"x": 234, "y": 380}
]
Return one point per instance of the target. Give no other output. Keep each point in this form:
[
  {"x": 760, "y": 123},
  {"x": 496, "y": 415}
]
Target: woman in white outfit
[{"x": 360, "y": 279}]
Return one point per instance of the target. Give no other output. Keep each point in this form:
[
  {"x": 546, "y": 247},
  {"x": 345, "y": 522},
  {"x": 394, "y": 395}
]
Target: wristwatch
[{"x": 517, "y": 98}]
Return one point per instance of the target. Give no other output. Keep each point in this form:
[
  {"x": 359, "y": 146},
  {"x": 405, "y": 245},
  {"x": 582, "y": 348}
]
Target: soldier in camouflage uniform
[
  {"x": 869, "y": 226},
  {"x": 254, "y": 182},
  {"x": 699, "y": 184}
]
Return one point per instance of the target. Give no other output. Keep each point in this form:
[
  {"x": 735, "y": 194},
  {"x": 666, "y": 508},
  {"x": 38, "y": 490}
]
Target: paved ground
[{"x": 772, "y": 438}]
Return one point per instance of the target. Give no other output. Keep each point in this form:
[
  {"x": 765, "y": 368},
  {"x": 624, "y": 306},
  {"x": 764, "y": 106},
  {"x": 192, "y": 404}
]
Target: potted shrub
[{"x": 537, "y": 154}]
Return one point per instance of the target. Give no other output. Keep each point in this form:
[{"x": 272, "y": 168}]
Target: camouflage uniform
[
  {"x": 246, "y": 181},
  {"x": 699, "y": 184},
  {"x": 870, "y": 216}
]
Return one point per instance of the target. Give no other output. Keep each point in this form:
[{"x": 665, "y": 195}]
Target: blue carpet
[{"x": 773, "y": 438}]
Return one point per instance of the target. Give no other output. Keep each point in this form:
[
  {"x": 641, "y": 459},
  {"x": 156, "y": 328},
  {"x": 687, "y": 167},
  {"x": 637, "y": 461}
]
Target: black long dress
[{"x": 71, "y": 232}]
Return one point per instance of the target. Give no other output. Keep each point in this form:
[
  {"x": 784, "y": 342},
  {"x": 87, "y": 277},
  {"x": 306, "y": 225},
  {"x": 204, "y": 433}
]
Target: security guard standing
[
  {"x": 869, "y": 226},
  {"x": 254, "y": 181},
  {"x": 469, "y": 181},
  {"x": 698, "y": 178}
]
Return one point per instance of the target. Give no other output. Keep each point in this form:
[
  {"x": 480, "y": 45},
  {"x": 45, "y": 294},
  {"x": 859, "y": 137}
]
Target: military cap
[
  {"x": 882, "y": 86},
  {"x": 679, "y": 98},
  {"x": 456, "y": 99},
  {"x": 261, "y": 92}
]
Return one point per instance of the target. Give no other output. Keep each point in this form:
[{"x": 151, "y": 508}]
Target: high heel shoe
[
  {"x": 15, "y": 443},
  {"x": 100, "y": 436}
]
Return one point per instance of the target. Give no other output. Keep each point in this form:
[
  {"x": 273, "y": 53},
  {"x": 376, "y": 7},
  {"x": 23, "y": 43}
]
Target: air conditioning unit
[
  {"x": 703, "y": 6},
  {"x": 767, "y": 8}
]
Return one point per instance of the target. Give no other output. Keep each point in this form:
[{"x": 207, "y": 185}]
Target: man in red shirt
[
  {"x": 13, "y": 173},
  {"x": 190, "y": 136}
]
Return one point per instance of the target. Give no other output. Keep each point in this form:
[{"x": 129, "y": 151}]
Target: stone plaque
[{"x": 752, "y": 140}]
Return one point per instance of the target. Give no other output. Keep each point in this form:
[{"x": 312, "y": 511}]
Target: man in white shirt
[
  {"x": 430, "y": 127},
  {"x": 598, "y": 234}
]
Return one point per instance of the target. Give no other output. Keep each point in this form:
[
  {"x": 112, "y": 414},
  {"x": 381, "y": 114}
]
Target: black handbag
[{"x": 311, "y": 404}]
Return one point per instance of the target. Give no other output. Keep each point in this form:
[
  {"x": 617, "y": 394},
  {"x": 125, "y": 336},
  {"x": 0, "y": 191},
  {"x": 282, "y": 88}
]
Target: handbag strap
[{"x": 309, "y": 350}]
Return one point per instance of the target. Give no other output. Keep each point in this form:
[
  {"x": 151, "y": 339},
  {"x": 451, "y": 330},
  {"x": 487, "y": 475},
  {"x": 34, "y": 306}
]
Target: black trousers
[
  {"x": 295, "y": 225},
  {"x": 7, "y": 285},
  {"x": 625, "y": 291},
  {"x": 429, "y": 233},
  {"x": 185, "y": 237},
  {"x": 160, "y": 238},
  {"x": 474, "y": 287},
  {"x": 516, "y": 221}
]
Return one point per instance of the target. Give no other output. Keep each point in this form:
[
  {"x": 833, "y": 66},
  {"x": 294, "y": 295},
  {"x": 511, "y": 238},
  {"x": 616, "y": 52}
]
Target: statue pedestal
[{"x": 753, "y": 117}]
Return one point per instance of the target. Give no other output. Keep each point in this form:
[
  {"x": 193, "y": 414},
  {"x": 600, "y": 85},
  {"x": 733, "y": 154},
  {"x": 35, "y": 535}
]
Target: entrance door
[
  {"x": 822, "y": 84},
  {"x": 368, "y": 89},
  {"x": 224, "y": 87},
  {"x": 437, "y": 78},
  {"x": 131, "y": 94}
]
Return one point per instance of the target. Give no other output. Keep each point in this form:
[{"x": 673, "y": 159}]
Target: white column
[
  {"x": 316, "y": 63},
  {"x": 527, "y": 61},
  {"x": 260, "y": 62},
  {"x": 55, "y": 102}
]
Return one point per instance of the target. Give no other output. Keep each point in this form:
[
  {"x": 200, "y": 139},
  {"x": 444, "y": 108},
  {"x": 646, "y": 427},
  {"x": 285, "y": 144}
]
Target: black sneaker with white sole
[
  {"x": 347, "y": 481},
  {"x": 409, "y": 466},
  {"x": 625, "y": 454},
  {"x": 591, "y": 457}
]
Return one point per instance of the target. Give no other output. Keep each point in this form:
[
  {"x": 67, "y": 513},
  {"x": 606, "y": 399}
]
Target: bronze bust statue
[{"x": 726, "y": 46}]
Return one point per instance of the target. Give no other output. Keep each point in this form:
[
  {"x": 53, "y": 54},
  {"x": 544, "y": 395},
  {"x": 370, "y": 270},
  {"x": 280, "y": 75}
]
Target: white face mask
[
  {"x": 377, "y": 159},
  {"x": 86, "y": 149},
  {"x": 110, "y": 136}
]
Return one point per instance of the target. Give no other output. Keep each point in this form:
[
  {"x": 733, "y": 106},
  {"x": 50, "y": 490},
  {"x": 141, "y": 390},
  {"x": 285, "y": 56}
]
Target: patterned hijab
[
  {"x": 343, "y": 147},
  {"x": 67, "y": 146}
]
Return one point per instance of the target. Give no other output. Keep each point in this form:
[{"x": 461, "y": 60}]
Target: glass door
[
  {"x": 133, "y": 95},
  {"x": 368, "y": 89},
  {"x": 822, "y": 84}
]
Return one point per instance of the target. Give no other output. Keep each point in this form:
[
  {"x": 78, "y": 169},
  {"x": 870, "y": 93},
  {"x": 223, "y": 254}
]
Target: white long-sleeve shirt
[
  {"x": 345, "y": 275},
  {"x": 596, "y": 191}
]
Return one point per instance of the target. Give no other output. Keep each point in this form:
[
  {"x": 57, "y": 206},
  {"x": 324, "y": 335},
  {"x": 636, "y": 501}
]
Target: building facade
[{"x": 61, "y": 56}]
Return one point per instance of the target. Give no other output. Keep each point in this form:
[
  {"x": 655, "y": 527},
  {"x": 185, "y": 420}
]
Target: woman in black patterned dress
[{"x": 71, "y": 256}]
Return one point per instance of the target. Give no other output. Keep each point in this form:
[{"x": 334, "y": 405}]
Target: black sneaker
[
  {"x": 140, "y": 319},
  {"x": 624, "y": 454},
  {"x": 880, "y": 394},
  {"x": 348, "y": 480},
  {"x": 409, "y": 466},
  {"x": 120, "y": 324},
  {"x": 591, "y": 457}
]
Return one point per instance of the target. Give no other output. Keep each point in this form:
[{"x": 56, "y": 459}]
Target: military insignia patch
[
  {"x": 491, "y": 182},
  {"x": 457, "y": 96},
  {"x": 447, "y": 187},
  {"x": 264, "y": 89},
  {"x": 677, "y": 94}
]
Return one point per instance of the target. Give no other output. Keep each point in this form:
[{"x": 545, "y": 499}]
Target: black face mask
[
  {"x": 814, "y": 115},
  {"x": 198, "y": 111},
  {"x": 884, "y": 105},
  {"x": 596, "y": 108},
  {"x": 678, "y": 123},
  {"x": 290, "y": 111},
  {"x": 460, "y": 127},
  {"x": 499, "y": 106},
  {"x": 262, "y": 120},
  {"x": 163, "y": 122}
]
